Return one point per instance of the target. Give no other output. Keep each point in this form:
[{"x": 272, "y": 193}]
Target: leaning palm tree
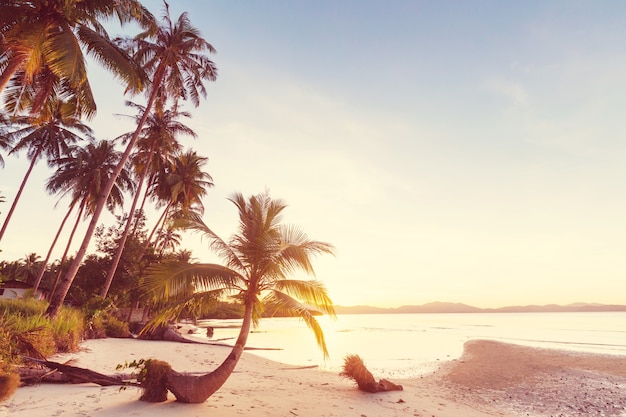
[
  {"x": 173, "y": 56},
  {"x": 51, "y": 134},
  {"x": 83, "y": 176},
  {"x": 259, "y": 258},
  {"x": 47, "y": 36}
]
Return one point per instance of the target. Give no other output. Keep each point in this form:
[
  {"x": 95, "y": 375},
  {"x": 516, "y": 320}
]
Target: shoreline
[{"x": 490, "y": 379}]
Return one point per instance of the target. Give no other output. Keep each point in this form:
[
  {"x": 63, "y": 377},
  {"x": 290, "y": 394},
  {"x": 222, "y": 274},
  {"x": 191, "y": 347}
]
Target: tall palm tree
[
  {"x": 83, "y": 176},
  {"x": 258, "y": 261},
  {"x": 157, "y": 142},
  {"x": 48, "y": 36},
  {"x": 173, "y": 58},
  {"x": 51, "y": 134}
]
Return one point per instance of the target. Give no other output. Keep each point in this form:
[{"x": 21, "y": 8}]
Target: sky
[{"x": 457, "y": 151}]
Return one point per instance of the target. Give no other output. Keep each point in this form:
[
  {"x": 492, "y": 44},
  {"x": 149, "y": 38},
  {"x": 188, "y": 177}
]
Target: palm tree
[
  {"x": 258, "y": 260},
  {"x": 177, "y": 68},
  {"x": 158, "y": 138},
  {"x": 169, "y": 240},
  {"x": 29, "y": 266},
  {"x": 50, "y": 134},
  {"x": 46, "y": 36},
  {"x": 181, "y": 187},
  {"x": 83, "y": 176}
]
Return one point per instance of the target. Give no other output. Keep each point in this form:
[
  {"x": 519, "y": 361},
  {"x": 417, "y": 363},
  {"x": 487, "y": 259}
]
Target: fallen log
[{"x": 69, "y": 374}]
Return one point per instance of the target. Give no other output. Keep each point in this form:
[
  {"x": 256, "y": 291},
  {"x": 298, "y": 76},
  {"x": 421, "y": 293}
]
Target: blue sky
[{"x": 467, "y": 151}]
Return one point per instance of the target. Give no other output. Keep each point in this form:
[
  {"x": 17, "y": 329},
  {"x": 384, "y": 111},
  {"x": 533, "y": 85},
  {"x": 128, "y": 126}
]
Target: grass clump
[
  {"x": 100, "y": 321},
  {"x": 8, "y": 384},
  {"x": 26, "y": 331}
]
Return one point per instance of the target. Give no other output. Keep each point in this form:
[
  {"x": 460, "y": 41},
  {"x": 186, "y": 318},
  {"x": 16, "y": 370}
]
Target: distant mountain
[{"x": 441, "y": 307}]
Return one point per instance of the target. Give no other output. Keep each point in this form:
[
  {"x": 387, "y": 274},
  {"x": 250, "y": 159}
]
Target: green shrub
[{"x": 116, "y": 328}]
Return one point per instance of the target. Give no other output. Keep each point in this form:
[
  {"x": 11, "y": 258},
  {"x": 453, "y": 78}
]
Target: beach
[{"x": 490, "y": 379}]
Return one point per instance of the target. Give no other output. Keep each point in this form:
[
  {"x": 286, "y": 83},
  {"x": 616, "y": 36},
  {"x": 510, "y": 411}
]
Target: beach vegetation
[
  {"x": 9, "y": 382},
  {"x": 100, "y": 320},
  {"x": 258, "y": 262},
  {"x": 24, "y": 331}
]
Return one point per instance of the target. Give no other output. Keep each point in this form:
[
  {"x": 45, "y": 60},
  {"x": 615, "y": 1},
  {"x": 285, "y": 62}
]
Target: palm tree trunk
[
  {"x": 154, "y": 229},
  {"x": 59, "y": 296},
  {"x": 141, "y": 208},
  {"x": 198, "y": 388},
  {"x": 19, "y": 192},
  {"x": 67, "y": 247},
  {"x": 54, "y": 242},
  {"x": 122, "y": 242}
]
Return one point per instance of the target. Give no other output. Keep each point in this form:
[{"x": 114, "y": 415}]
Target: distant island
[{"x": 441, "y": 307}]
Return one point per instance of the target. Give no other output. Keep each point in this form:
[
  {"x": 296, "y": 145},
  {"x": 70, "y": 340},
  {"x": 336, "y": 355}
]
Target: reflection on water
[{"x": 407, "y": 345}]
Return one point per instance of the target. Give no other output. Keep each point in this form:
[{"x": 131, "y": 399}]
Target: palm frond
[
  {"x": 170, "y": 280},
  {"x": 113, "y": 58},
  {"x": 312, "y": 293},
  {"x": 296, "y": 250},
  {"x": 193, "y": 222},
  {"x": 283, "y": 302},
  {"x": 197, "y": 305}
]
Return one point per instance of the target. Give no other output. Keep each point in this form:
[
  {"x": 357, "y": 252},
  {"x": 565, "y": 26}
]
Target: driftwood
[
  {"x": 170, "y": 333},
  {"x": 63, "y": 373},
  {"x": 354, "y": 368}
]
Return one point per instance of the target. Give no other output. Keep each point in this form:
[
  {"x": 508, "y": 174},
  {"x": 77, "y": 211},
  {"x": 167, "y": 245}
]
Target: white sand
[{"x": 260, "y": 387}]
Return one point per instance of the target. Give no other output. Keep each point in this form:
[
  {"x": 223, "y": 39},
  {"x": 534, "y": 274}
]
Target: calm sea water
[{"x": 408, "y": 345}]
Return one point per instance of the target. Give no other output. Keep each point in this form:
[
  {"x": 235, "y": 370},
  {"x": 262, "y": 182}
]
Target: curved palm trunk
[
  {"x": 124, "y": 237},
  {"x": 54, "y": 242},
  {"x": 197, "y": 389},
  {"x": 59, "y": 296},
  {"x": 67, "y": 247},
  {"x": 19, "y": 192}
]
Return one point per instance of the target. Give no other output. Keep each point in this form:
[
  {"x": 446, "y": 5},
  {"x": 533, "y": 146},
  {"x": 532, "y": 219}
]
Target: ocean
[{"x": 409, "y": 345}]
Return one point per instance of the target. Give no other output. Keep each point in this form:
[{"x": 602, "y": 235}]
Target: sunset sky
[{"x": 461, "y": 151}]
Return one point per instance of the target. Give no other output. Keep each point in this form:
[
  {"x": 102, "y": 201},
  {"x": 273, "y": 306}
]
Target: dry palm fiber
[{"x": 354, "y": 368}]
